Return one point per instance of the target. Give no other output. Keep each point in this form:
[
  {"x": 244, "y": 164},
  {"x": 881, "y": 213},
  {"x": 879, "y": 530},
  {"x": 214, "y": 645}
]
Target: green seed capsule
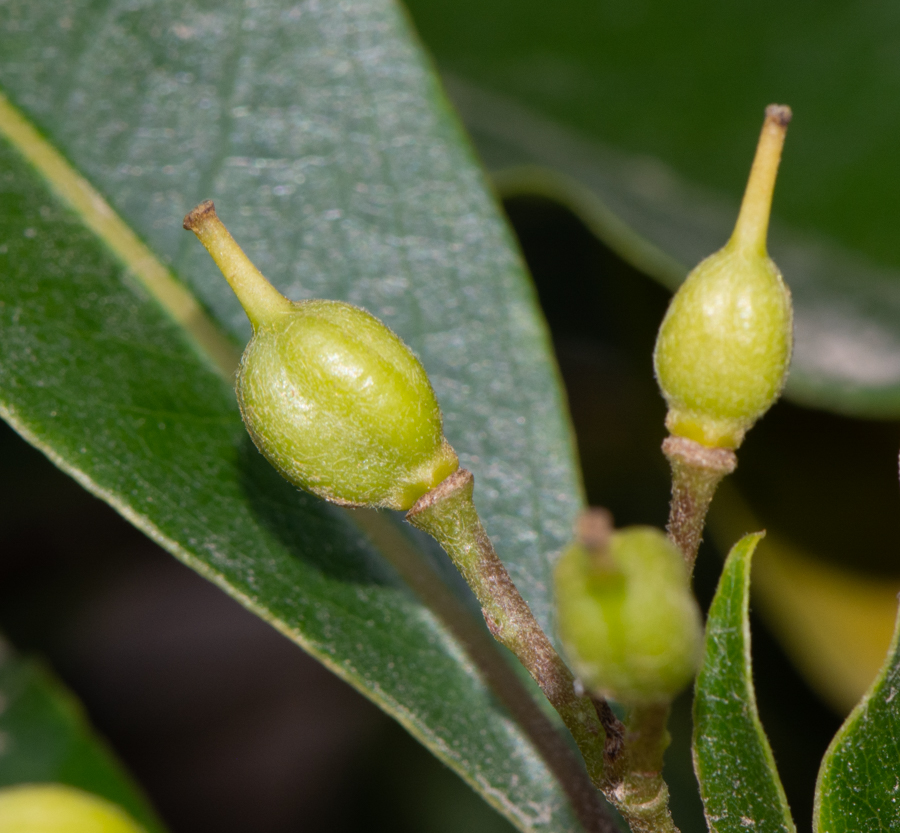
[
  {"x": 627, "y": 618},
  {"x": 56, "y": 808},
  {"x": 332, "y": 397},
  {"x": 724, "y": 346}
]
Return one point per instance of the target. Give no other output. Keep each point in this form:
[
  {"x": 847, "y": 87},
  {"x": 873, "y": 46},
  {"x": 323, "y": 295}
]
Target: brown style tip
[
  {"x": 594, "y": 528},
  {"x": 196, "y": 216},
  {"x": 780, "y": 114}
]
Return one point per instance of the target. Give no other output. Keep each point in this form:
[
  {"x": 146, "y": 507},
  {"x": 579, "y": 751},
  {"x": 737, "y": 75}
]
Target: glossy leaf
[
  {"x": 643, "y": 118},
  {"x": 858, "y": 788},
  {"x": 323, "y": 137},
  {"x": 739, "y": 782},
  {"x": 46, "y": 739}
]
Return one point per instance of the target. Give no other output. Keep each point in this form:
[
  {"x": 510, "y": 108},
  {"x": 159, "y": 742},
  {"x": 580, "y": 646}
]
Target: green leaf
[
  {"x": 643, "y": 119},
  {"x": 44, "y": 738},
  {"x": 324, "y": 138},
  {"x": 858, "y": 788},
  {"x": 739, "y": 783}
]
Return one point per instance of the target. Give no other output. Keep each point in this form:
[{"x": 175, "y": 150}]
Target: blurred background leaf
[
  {"x": 686, "y": 85},
  {"x": 45, "y": 739}
]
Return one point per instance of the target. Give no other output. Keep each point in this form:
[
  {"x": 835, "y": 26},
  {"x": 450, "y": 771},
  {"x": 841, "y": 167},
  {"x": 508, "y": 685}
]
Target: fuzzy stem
[
  {"x": 448, "y": 514},
  {"x": 496, "y": 672},
  {"x": 260, "y": 300},
  {"x": 753, "y": 221},
  {"x": 635, "y": 785},
  {"x": 696, "y": 472}
]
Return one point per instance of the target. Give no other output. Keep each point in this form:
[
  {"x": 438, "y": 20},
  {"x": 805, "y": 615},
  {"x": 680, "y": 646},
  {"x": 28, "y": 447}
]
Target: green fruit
[
  {"x": 56, "y": 808},
  {"x": 724, "y": 347},
  {"x": 628, "y": 621},
  {"x": 332, "y": 397}
]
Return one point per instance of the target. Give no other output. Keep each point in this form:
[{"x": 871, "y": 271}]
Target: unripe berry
[
  {"x": 57, "y": 808},
  {"x": 724, "y": 346},
  {"x": 629, "y": 623},
  {"x": 332, "y": 397}
]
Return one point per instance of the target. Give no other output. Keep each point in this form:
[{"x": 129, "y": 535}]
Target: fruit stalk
[
  {"x": 696, "y": 473},
  {"x": 635, "y": 785},
  {"x": 496, "y": 672},
  {"x": 448, "y": 514}
]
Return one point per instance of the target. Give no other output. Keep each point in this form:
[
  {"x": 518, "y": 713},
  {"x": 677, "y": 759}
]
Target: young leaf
[
  {"x": 739, "y": 783},
  {"x": 44, "y": 738},
  {"x": 321, "y": 131},
  {"x": 858, "y": 787}
]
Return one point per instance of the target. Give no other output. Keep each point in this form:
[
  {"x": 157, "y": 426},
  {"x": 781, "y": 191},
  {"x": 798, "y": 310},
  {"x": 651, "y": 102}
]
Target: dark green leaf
[
  {"x": 44, "y": 738},
  {"x": 739, "y": 783},
  {"x": 681, "y": 88},
  {"x": 858, "y": 788},
  {"x": 323, "y": 137}
]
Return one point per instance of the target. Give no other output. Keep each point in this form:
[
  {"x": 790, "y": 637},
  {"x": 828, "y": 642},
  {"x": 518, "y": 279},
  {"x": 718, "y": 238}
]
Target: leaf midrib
[{"x": 98, "y": 216}]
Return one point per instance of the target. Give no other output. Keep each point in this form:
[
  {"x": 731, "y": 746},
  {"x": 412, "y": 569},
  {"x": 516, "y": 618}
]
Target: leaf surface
[
  {"x": 322, "y": 135},
  {"x": 739, "y": 782},
  {"x": 858, "y": 788},
  {"x": 46, "y": 739}
]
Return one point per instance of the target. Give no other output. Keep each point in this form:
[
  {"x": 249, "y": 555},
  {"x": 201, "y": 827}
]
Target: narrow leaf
[
  {"x": 858, "y": 789},
  {"x": 44, "y": 738},
  {"x": 739, "y": 783}
]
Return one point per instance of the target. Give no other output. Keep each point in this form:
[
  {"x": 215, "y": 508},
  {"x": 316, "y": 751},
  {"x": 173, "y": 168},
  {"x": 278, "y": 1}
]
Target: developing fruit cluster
[{"x": 342, "y": 408}]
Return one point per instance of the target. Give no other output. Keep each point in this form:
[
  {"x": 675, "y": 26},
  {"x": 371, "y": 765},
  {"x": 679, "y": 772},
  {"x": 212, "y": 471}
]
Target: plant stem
[
  {"x": 635, "y": 785},
  {"x": 696, "y": 472},
  {"x": 425, "y": 582},
  {"x": 448, "y": 514}
]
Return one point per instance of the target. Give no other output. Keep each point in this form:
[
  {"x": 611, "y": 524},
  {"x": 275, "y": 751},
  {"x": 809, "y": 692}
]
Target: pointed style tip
[
  {"x": 258, "y": 297},
  {"x": 196, "y": 216},
  {"x": 753, "y": 221},
  {"x": 781, "y": 114}
]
